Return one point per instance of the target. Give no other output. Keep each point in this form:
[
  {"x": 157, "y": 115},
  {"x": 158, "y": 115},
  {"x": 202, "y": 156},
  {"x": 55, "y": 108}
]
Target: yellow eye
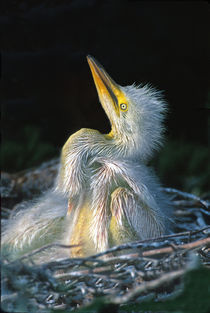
[{"x": 123, "y": 106}]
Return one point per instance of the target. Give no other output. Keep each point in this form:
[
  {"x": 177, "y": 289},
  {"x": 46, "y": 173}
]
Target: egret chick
[{"x": 105, "y": 194}]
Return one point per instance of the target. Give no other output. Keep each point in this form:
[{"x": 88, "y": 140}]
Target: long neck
[{"x": 121, "y": 144}]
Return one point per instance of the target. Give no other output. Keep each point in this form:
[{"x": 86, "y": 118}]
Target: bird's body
[
  {"x": 114, "y": 198},
  {"x": 109, "y": 195}
]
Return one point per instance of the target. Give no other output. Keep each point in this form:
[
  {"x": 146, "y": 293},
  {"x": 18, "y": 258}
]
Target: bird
[{"x": 105, "y": 193}]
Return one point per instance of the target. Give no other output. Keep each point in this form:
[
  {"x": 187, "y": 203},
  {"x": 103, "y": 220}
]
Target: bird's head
[{"x": 135, "y": 113}]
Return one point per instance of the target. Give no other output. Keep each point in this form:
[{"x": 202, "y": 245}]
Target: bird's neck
[{"x": 123, "y": 145}]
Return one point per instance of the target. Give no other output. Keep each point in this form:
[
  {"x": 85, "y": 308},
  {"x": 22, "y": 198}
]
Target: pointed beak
[{"x": 108, "y": 90}]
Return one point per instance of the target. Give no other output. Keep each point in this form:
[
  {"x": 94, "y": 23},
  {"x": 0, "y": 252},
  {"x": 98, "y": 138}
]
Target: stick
[{"x": 147, "y": 286}]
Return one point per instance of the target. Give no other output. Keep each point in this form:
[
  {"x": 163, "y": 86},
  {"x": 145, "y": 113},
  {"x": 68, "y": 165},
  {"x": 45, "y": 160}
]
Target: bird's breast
[{"x": 93, "y": 218}]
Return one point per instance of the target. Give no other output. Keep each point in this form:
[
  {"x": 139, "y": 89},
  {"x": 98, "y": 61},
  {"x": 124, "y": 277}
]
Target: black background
[{"x": 47, "y": 82}]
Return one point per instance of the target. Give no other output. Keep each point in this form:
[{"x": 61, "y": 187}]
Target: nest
[{"x": 123, "y": 276}]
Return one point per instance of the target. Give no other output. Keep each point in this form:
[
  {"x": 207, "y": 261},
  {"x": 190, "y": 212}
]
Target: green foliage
[
  {"x": 185, "y": 166},
  {"x": 26, "y": 151}
]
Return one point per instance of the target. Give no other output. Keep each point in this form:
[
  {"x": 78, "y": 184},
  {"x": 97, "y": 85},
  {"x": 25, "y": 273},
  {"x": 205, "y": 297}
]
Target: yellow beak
[{"x": 108, "y": 91}]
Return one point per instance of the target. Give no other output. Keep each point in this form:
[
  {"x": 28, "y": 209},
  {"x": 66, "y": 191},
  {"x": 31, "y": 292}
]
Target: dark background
[{"x": 48, "y": 91}]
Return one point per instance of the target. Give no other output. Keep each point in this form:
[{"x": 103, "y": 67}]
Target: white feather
[{"x": 93, "y": 166}]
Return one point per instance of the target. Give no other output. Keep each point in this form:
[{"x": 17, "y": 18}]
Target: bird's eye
[{"x": 123, "y": 106}]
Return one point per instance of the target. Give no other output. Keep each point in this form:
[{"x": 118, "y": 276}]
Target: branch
[
  {"x": 137, "y": 244},
  {"x": 147, "y": 286},
  {"x": 132, "y": 245},
  {"x": 187, "y": 246},
  {"x": 187, "y": 195}
]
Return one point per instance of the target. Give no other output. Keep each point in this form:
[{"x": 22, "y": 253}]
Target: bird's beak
[{"x": 108, "y": 91}]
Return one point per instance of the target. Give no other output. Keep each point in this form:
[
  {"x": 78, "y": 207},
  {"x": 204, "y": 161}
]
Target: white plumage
[{"x": 104, "y": 193}]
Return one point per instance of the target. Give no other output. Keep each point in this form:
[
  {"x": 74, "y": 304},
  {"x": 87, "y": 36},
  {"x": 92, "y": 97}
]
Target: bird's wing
[
  {"x": 73, "y": 167},
  {"x": 36, "y": 225},
  {"x": 120, "y": 230},
  {"x": 132, "y": 219},
  {"x": 131, "y": 205}
]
